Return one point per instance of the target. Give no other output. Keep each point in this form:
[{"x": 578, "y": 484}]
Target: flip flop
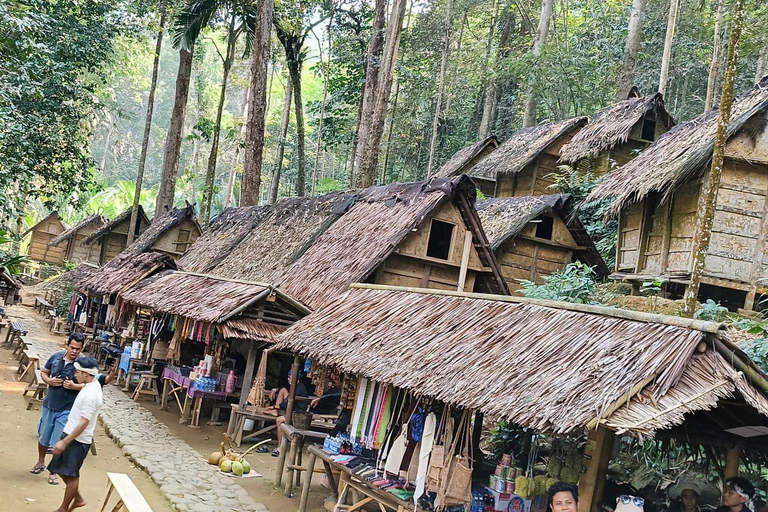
[
  {"x": 262, "y": 449},
  {"x": 275, "y": 453},
  {"x": 53, "y": 480},
  {"x": 37, "y": 470}
]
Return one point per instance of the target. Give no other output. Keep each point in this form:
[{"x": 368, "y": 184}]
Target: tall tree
[
  {"x": 233, "y": 171},
  {"x": 714, "y": 65},
  {"x": 254, "y": 135},
  {"x": 674, "y": 11},
  {"x": 710, "y": 189},
  {"x": 147, "y": 124},
  {"x": 440, "y": 83},
  {"x": 626, "y": 75},
  {"x": 284, "y": 121},
  {"x": 762, "y": 64},
  {"x": 531, "y": 96},
  {"x": 325, "y": 68}
]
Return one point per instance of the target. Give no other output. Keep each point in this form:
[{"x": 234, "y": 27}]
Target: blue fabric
[
  {"x": 51, "y": 426},
  {"x": 417, "y": 424},
  {"x": 125, "y": 360},
  {"x": 58, "y": 398}
]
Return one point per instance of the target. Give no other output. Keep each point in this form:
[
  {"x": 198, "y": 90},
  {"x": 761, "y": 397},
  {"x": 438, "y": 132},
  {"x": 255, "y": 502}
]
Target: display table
[{"x": 175, "y": 383}]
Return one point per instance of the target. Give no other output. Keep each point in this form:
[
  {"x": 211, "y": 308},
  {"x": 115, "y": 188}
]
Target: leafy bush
[
  {"x": 757, "y": 350},
  {"x": 506, "y": 437},
  {"x": 711, "y": 311},
  {"x": 575, "y": 283}
]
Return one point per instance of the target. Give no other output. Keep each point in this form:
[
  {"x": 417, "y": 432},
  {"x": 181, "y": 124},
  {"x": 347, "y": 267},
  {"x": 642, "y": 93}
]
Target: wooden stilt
[
  {"x": 307, "y": 483},
  {"x": 592, "y": 479},
  {"x": 732, "y": 459}
]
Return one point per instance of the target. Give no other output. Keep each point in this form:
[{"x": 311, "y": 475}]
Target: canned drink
[
  {"x": 500, "y": 470},
  {"x": 506, "y": 460},
  {"x": 492, "y": 482},
  {"x": 510, "y": 486},
  {"x": 500, "y": 485}
]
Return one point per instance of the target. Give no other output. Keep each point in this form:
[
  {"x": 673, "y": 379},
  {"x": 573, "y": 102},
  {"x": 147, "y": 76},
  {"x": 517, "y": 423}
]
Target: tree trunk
[
  {"x": 531, "y": 97},
  {"x": 147, "y": 127},
  {"x": 713, "y": 66},
  {"x": 440, "y": 84},
  {"x": 275, "y": 185},
  {"x": 233, "y": 171},
  {"x": 389, "y": 134},
  {"x": 210, "y": 173},
  {"x": 626, "y": 75},
  {"x": 175, "y": 131},
  {"x": 322, "y": 104},
  {"x": 489, "y": 84},
  {"x": 706, "y": 208},
  {"x": 370, "y": 90},
  {"x": 293, "y": 45},
  {"x": 674, "y": 9},
  {"x": 762, "y": 64},
  {"x": 254, "y": 135},
  {"x": 369, "y": 161}
]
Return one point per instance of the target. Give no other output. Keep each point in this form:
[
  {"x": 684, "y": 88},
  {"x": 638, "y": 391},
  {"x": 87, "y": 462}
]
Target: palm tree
[{"x": 238, "y": 16}]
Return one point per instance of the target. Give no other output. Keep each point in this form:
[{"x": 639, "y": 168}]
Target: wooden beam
[
  {"x": 465, "y": 259},
  {"x": 292, "y": 391},
  {"x": 592, "y": 480},
  {"x": 253, "y": 348},
  {"x": 665, "y": 235},
  {"x": 732, "y": 459}
]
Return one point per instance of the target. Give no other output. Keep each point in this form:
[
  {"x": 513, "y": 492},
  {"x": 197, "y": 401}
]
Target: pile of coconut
[{"x": 232, "y": 462}]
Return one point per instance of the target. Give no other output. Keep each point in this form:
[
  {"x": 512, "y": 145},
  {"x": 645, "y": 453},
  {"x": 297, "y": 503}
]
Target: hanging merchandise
[
  {"x": 457, "y": 482},
  {"x": 437, "y": 462},
  {"x": 358, "y": 407},
  {"x": 397, "y": 452},
  {"x": 427, "y": 444}
]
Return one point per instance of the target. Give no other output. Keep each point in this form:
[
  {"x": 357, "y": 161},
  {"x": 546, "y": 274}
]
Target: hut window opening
[
  {"x": 544, "y": 227},
  {"x": 649, "y": 126},
  {"x": 440, "y": 236},
  {"x": 727, "y": 297}
]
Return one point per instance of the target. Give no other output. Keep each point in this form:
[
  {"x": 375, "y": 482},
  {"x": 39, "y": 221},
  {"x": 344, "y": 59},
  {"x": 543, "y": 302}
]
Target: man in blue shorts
[{"x": 59, "y": 374}]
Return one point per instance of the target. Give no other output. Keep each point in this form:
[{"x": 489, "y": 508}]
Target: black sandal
[{"x": 37, "y": 470}]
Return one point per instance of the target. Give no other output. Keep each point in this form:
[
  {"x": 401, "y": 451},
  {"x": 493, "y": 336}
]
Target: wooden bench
[
  {"x": 15, "y": 331},
  {"x": 29, "y": 361},
  {"x": 130, "y": 498},
  {"x": 41, "y": 305},
  {"x": 38, "y": 388}
]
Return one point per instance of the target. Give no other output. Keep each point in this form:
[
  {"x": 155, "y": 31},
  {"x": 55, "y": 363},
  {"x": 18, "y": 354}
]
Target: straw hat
[{"x": 675, "y": 490}]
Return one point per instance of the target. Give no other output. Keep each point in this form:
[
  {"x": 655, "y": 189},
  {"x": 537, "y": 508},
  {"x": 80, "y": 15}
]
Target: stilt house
[
  {"x": 113, "y": 236},
  {"x": 10, "y": 289},
  {"x": 42, "y": 234},
  {"x": 72, "y": 240},
  {"x": 658, "y": 197},
  {"x": 172, "y": 233},
  {"x": 535, "y": 236}
]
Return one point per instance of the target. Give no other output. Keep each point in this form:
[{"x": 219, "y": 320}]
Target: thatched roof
[
  {"x": 288, "y": 229},
  {"x": 159, "y": 226},
  {"x": 9, "y": 281},
  {"x": 548, "y": 366},
  {"x": 53, "y": 214},
  {"x": 224, "y": 233},
  {"x": 356, "y": 244},
  {"x": 123, "y": 271},
  {"x": 250, "y": 329},
  {"x": 504, "y": 218},
  {"x": 74, "y": 230},
  {"x": 523, "y": 147},
  {"x": 680, "y": 155},
  {"x": 612, "y": 126},
  {"x": 465, "y": 158},
  {"x": 106, "y": 228}
]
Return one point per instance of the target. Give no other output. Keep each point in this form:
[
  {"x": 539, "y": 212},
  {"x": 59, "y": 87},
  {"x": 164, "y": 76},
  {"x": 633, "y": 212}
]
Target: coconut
[
  {"x": 237, "y": 468},
  {"x": 214, "y": 458},
  {"x": 246, "y": 467},
  {"x": 226, "y": 465}
]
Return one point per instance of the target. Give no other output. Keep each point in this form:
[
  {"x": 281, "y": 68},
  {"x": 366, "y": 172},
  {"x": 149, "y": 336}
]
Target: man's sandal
[
  {"x": 53, "y": 479},
  {"x": 37, "y": 470}
]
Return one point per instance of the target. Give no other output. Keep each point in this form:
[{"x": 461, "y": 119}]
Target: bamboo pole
[
  {"x": 465, "y": 259},
  {"x": 732, "y": 458}
]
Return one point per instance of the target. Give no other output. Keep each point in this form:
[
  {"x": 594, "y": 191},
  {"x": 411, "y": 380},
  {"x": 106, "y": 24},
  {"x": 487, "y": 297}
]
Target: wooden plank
[
  {"x": 130, "y": 495},
  {"x": 598, "y": 442}
]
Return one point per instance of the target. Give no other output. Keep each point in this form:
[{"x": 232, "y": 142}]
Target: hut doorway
[{"x": 726, "y": 297}]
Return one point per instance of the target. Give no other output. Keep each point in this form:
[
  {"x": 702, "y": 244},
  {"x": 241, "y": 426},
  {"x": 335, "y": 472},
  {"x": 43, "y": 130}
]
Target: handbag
[
  {"x": 396, "y": 452},
  {"x": 457, "y": 488},
  {"x": 437, "y": 458}
]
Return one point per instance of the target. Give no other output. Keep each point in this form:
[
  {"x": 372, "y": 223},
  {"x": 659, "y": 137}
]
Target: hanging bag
[
  {"x": 437, "y": 462},
  {"x": 458, "y": 479}
]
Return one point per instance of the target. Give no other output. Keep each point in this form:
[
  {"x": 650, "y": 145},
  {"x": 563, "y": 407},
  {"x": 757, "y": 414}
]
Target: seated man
[{"x": 282, "y": 404}]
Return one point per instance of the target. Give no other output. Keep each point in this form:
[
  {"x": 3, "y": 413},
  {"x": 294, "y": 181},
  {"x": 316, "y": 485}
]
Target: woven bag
[
  {"x": 457, "y": 488},
  {"x": 437, "y": 463}
]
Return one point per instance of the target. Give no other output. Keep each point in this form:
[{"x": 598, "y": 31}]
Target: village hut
[
  {"x": 424, "y": 234},
  {"x": 10, "y": 288},
  {"x": 42, "y": 233},
  {"x": 71, "y": 240},
  {"x": 556, "y": 367},
  {"x": 467, "y": 158},
  {"x": 657, "y": 197},
  {"x": 172, "y": 233},
  {"x": 224, "y": 233},
  {"x": 527, "y": 163},
  {"x": 535, "y": 236},
  {"x": 113, "y": 236},
  {"x": 616, "y": 134},
  {"x": 119, "y": 274}
]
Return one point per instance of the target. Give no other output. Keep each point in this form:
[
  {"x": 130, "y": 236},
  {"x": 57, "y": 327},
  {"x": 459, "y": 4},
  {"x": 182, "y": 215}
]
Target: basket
[{"x": 302, "y": 420}]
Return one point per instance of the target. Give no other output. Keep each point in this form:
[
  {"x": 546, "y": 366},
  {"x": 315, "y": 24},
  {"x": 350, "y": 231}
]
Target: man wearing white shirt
[{"x": 70, "y": 452}]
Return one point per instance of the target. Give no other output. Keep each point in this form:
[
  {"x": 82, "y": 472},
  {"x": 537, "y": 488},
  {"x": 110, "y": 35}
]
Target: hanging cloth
[
  {"x": 427, "y": 440},
  {"x": 381, "y": 428},
  {"x": 362, "y": 386}
]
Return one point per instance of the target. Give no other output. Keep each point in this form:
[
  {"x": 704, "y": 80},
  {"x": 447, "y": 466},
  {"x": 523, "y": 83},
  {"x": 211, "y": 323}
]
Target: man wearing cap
[
  {"x": 737, "y": 495},
  {"x": 70, "y": 452}
]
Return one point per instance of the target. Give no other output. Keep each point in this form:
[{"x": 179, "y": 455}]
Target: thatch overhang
[
  {"x": 467, "y": 158},
  {"x": 121, "y": 273},
  {"x": 223, "y": 234},
  {"x": 504, "y": 218},
  {"x": 612, "y": 126},
  {"x": 523, "y": 147},
  {"x": 109, "y": 226},
  {"x": 53, "y": 215},
  {"x": 359, "y": 242},
  {"x": 553, "y": 367},
  {"x": 91, "y": 220},
  {"x": 159, "y": 226},
  {"x": 679, "y": 156}
]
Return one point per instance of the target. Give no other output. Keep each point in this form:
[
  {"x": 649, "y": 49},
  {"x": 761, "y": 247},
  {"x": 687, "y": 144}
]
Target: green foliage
[
  {"x": 652, "y": 287},
  {"x": 758, "y": 352},
  {"x": 711, "y": 311},
  {"x": 506, "y": 437},
  {"x": 10, "y": 261},
  {"x": 575, "y": 283}
]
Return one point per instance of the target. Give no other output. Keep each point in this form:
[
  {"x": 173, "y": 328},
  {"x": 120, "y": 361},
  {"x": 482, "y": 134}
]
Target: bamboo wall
[
  {"x": 177, "y": 240},
  {"x": 77, "y": 252},
  {"x": 116, "y": 240},
  {"x": 45, "y": 231}
]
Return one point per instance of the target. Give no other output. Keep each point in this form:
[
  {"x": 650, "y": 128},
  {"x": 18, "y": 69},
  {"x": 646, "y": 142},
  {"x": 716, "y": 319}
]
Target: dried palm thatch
[
  {"x": 170, "y": 219},
  {"x": 466, "y": 158},
  {"x": 544, "y": 367},
  {"x": 251, "y": 329},
  {"x": 109, "y": 226},
  {"x": 355, "y": 245},
  {"x": 53, "y": 215},
  {"x": 504, "y": 218},
  {"x": 523, "y": 147},
  {"x": 289, "y": 228},
  {"x": 612, "y": 126},
  {"x": 678, "y": 156},
  {"x": 224, "y": 233},
  {"x": 122, "y": 272},
  {"x": 92, "y": 220}
]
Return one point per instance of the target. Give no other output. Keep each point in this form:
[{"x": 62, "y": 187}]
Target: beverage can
[
  {"x": 506, "y": 459},
  {"x": 509, "y": 486}
]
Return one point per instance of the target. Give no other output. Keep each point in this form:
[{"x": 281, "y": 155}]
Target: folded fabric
[{"x": 401, "y": 493}]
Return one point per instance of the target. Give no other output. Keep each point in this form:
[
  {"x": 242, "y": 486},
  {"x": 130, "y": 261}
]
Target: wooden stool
[
  {"x": 130, "y": 498},
  {"x": 147, "y": 386}
]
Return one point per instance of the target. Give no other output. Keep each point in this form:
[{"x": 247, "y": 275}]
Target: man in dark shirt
[
  {"x": 59, "y": 374},
  {"x": 737, "y": 495},
  {"x": 280, "y": 407}
]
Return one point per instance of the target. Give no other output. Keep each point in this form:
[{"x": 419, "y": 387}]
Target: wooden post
[
  {"x": 166, "y": 392},
  {"x": 465, "y": 259},
  {"x": 292, "y": 390},
  {"x": 732, "y": 458},
  {"x": 289, "y": 478},
  {"x": 592, "y": 480},
  {"x": 307, "y": 483},
  {"x": 281, "y": 459},
  {"x": 248, "y": 377}
]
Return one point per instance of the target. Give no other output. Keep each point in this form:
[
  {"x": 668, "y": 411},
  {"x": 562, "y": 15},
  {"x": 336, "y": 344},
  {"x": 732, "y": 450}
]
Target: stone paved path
[{"x": 184, "y": 477}]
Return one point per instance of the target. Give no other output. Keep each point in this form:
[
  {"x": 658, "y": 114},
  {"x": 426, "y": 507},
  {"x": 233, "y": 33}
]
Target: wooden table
[
  {"x": 175, "y": 383},
  {"x": 41, "y": 305}
]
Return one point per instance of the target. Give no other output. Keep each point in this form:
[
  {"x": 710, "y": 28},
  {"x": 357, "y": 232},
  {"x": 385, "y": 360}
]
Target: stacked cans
[{"x": 503, "y": 479}]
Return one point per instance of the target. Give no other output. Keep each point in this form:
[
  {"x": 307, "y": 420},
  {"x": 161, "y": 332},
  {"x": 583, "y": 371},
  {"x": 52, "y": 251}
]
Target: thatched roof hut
[
  {"x": 172, "y": 233},
  {"x": 43, "y": 232},
  {"x": 74, "y": 249},
  {"x": 10, "y": 287},
  {"x": 467, "y": 158},
  {"x": 112, "y": 237},
  {"x": 124, "y": 271},
  {"x": 223, "y": 234},
  {"x": 536, "y": 235},
  {"x": 92, "y": 220},
  {"x": 393, "y": 219},
  {"x": 638, "y": 118},
  {"x": 556, "y": 367}
]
